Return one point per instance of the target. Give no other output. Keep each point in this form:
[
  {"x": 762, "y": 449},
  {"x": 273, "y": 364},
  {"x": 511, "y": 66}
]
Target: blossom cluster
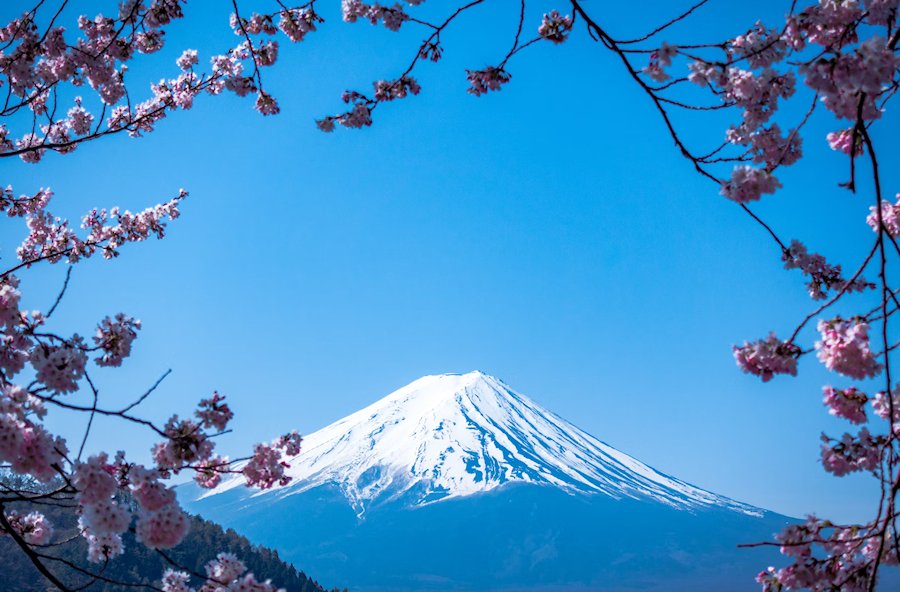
[
  {"x": 555, "y": 27},
  {"x": 844, "y": 348},
  {"x": 767, "y": 357},
  {"x": 852, "y": 453},
  {"x": 53, "y": 239},
  {"x": 36, "y": 64},
  {"x": 850, "y": 552},
  {"x": 849, "y": 76},
  {"x": 485, "y": 80},
  {"x": 114, "y": 338},
  {"x": 101, "y": 487},
  {"x": 225, "y": 573},
  {"x": 659, "y": 61},
  {"x": 890, "y": 217},
  {"x": 767, "y": 145},
  {"x": 848, "y": 403},
  {"x": 266, "y": 467},
  {"x": 822, "y": 276},
  {"x": 851, "y": 82},
  {"x": 34, "y": 527},
  {"x": 25, "y": 444},
  {"x": 397, "y": 89},
  {"x": 846, "y": 141},
  {"x": 749, "y": 184},
  {"x": 360, "y": 114},
  {"x": 392, "y": 17}
]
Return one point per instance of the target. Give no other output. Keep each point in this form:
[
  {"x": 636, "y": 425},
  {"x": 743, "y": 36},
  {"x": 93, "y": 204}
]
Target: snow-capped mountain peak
[{"x": 453, "y": 435}]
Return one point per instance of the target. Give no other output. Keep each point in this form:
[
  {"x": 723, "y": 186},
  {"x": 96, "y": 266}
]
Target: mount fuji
[{"x": 458, "y": 482}]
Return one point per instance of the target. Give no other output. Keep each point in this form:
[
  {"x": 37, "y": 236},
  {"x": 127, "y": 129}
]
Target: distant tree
[{"x": 140, "y": 564}]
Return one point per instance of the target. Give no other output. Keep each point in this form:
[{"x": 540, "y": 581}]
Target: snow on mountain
[{"x": 454, "y": 435}]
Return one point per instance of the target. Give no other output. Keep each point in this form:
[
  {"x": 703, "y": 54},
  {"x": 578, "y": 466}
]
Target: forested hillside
[{"x": 143, "y": 565}]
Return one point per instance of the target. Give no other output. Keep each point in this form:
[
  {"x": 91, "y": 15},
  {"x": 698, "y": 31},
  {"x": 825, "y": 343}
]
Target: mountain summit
[{"x": 456, "y": 482}]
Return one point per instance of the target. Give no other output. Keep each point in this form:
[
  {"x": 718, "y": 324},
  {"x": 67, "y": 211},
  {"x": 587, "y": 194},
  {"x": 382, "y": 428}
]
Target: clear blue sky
[{"x": 548, "y": 234}]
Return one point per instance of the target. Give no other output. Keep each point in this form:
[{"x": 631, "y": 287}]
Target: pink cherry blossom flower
[
  {"x": 162, "y": 529},
  {"x": 761, "y": 47},
  {"x": 225, "y": 568},
  {"x": 213, "y": 413},
  {"x": 844, "y": 348},
  {"x": 103, "y": 547},
  {"x": 890, "y": 217},
  {"x": 34, "y": 527},
  {"x": 851, "y": 454},
  {"x": 655, "y": 71},
  {"x": 822, "y": 276},
  {"x": 296, "y": 23},
  {"x": 883, "y": 404},
  {"x": 749, "y": 184},
  {"x": 290, "y": 443},
  {"x": 767, "y": 357},
  {"x": 187, "y": 59},
  {"x": 555, "y": 27},
  {"x": 208, "y": 472},
  {"x": 486, "y": 80},
  {"x": 842, "y": 141},
  {"x": 186, "y": 443},
  {"x": 265, "y": 468},
  {"x": 176, "y": 581},
  {"x": 106, "y": 517},
  {"x": 114, "y": 338},
  {"x": 60, "y": 367},
  {"x": 848, "y": 403},
  {"x": 397, "y": 89},
  {"x": 94, "y": 479},
  {"x": 266, "y": 104}
]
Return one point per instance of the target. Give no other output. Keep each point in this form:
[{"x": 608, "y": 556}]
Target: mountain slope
[{"x": 453, "y": 435}]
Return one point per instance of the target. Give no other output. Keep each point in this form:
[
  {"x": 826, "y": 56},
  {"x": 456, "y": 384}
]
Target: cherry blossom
[
  {"x": 398, "y": 89},
  {"x": 185, "y": 443},
  {"x": 852, "y": 453},
  {"x": 822, "y": 276},
  {"x": 297, "y": 23},
  {"x": 94, "y": 479},
  {"x": 103, "y": 547},
  {"x": 848, "y": 403},
  {"x": 843, "y": 141},
  {"x": 33, "y": 527},
  {"x": 486, "y": 80},
  {"x": 114, "y": 338},
  {"x": 163, "y": 528},
  {"x": 265, "y": 468},
  {"x": 176, "y": 581},
  {"x": 749, "y": 184},
  {"x": 555, "y": 27},
  {"x": 767, "y": 357},
  {"x": 890, "y": 217},
  {"x": 761, "y": 46},
  {"x": 844, "y": 348},
  {"x": 392, "y": 17},
  {"x": 213, "y": 413},
  {"x": 60, "y": 367}
]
